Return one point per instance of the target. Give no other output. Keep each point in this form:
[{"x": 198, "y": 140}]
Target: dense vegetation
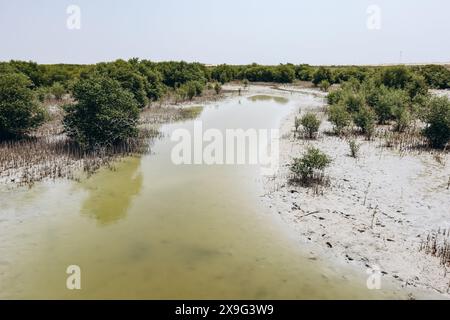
[
  {"x": 103, "y": 115},
  {"x": 367, "y": 95},
  {"x": 437, "y": 117},
  {"x": 155, "y": 77},
  {"x": 396, "y": 96},
  {"x": 107, "y": 96},
  {"x": 19, "y": 112}
]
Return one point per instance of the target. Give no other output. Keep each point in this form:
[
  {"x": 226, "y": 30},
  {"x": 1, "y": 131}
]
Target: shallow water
[{"x": 151, "y": 229}]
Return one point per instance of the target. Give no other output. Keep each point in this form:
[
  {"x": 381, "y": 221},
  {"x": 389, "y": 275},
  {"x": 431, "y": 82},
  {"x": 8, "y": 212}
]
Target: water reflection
[
  {"x": 111, "y": 193},
  {"x": 280, "y": 100}
]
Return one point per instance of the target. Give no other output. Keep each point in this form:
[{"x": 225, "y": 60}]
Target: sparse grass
[
  {"x": 27, "y": 161},
  {"x": 297, "y": 125},
  {"x": 437, "y": 244},
  {"x": 156, "y": 115},
  {"x": 406, "y": 142},
  {"x": 439, "y": 158},
  {"x": 190, "y": 112},
  {"x": 172, "y": 98}
]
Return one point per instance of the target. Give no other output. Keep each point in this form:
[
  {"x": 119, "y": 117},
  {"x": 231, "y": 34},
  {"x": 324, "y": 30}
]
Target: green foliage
[
  {"x": 334, "y": 97},
  {"x": 403, "y": 119},
  {"x": 310, "y": 124},
  {"x": 57, "y": 90},
  {"x": 322, "y": 74},
  {"x": 217, "y": 88},
  {"x": 398, "y": 93},
  {"x": 353, "y": 101},
  {"x": 396, "y": 77},
  {"x": 190, "y": 89},
  {"x": 324, "y": 85},
  {"x": 339, "y": 117},
  {"x": 353, "y": 85},
  {"x": 390, "y": 102},
  {"x": 366, "y": 119},
  {"x": 6, "y": 67},
  {"x": 42, "y": 94},
  {"x": 437, "y": 77},
  {"x": 284, "y": 74},
  {"x": 129, "y": 78},
  {"x": 104, "y": 113},
  {"x": 223, "y": 73},
  {"x": 257, "y": 73},
  {"x": 19, "y": 110},
  {"x": 297, "y": 124},
  {"x": 45, "y": 75},
  {"x": 419, "y": 107},
  {"x": 385, "y": 94},
  {"x": 31, "y": 69},
  {"x": 304, "y": 72},
  {"x": 190, "y": 112},
  {"x": 349, "y": 95},
  {"x": 199, "y": 87},
  {"x": 438, "y": 122},
  {"x": 416, "y": 86},
  {"x": 154, "y": 86},
  {"x": 354, "y": 148},
  {"x": 401, "y": 77},
  {"x": 314, "y": 160},
  {"x": 344, "y": 74},
  {"x": 62, "y": 73},
  {"x": 175, "y": 74},
  {"x": 371, "y": 88}
]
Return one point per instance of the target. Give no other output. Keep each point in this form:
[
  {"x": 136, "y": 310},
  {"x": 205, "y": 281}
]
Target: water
[{"x": 153, "y": 230}]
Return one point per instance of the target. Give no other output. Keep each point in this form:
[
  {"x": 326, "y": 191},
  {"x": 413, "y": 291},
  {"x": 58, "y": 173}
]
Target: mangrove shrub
[
  {"x": 104, "y": 113},
  {"x": 313, "y": 161},
  {"x": 19, "y": 110},
  {"x": 438, "y": 122},
  {"x": 310, "y": 124},
  {"x": 339, "y": 117}
]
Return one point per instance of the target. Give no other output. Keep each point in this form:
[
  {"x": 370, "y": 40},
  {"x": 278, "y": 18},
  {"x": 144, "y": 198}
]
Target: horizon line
[{"x": 442, "y": 63}]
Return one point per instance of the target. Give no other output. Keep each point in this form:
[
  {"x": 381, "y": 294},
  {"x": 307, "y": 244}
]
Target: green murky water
[{"x": 150, "y": 229}]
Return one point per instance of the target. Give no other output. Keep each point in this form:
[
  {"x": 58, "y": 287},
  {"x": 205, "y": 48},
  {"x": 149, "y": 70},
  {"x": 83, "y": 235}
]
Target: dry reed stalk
[{"x": 437, "y": 244}]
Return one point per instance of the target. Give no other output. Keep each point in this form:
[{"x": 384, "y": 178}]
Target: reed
[
  {"x": 47, "y": 153},
  {"x": 437, "y": 244},
  {"x": 29, "y": 160}
]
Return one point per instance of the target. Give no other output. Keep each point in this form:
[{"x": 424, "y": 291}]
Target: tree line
[
  {"x": 108, "y": 96},
  {"x": 395, "y": 96}
]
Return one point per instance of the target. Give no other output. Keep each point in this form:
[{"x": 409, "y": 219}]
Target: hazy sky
[{"x": 227, "y": 31}]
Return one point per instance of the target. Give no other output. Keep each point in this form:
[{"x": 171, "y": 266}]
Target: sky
[{"x": 227, "y": 31}]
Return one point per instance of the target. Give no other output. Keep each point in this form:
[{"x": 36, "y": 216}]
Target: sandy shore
[{"x": 376, "y": 212}]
